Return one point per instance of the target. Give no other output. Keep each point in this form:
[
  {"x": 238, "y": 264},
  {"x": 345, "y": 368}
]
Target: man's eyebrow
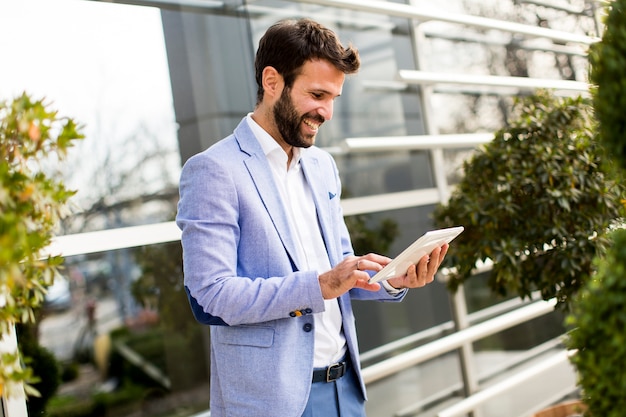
[{"x": 323, "y": 91}]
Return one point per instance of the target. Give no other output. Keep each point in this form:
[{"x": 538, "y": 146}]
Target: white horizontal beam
[
  {"x": 562, "y": 7},
  {"x": 393, "y": 9},
  {"x": 489, "y": 39},
  {"x": 390, "y": 201},
  {"x": 206, "y": 413},
  {"x": 415, "y": 142},
  {"x": 113, "y": 239},
  {"x": 420, "y": 13},
  {"x": 374, "y": 22},
  {"x": 469, "y": 404},
  {"x": 134, "y": 236},
  {"x": 178, "y": 5},
  {"x": 436, "y": 331},
  {"x": 428, "y": 78},
  {"x": 454, "y": 341}
]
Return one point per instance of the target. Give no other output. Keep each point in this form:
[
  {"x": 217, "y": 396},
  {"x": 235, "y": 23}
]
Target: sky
[
  {"x": 102, "y": 64},
  {"x": 81, "y": 54}
]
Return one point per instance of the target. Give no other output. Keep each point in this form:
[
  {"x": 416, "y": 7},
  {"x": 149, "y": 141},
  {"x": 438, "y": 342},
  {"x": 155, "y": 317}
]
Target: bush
[
  {"x": 599, "y": 320},
  {"x": 69, "y": 371},
  {"x": 99, "y": 405},
  {"x": 608, "y": 60},
  {"x": 31, "y": 204},
  {"x": 537, "y": 201},
  {"x": 43, "y": 364},
  {"x": 598, "y": 317},
  {"x": 72, "y": 407}
]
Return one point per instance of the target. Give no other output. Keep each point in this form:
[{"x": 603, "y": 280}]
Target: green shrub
[
  {"x": 43, "y": 364},
  {"x": 599, "y": 319},
  {"x": 69, "y": 371},
  {"x": 127, "y": 394},
  {"x": 537, "y": 201},
  {"x": 68, "y": 406},
  {"x": 31, "y": 204},
  {"x": 102, "y": 404},
  {"x": 608, "y": 60},
  {"x": 147, "y": 344}
]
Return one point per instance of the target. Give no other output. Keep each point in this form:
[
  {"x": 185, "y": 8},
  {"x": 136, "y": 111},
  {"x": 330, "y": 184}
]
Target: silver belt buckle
[{"x": 330, "y": 368}]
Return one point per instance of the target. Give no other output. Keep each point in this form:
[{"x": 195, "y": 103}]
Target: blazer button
[{"x": 307, "y": 327}]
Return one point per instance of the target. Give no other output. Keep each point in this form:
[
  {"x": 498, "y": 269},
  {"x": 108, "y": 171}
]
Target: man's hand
[
  {"x": 423, "y": 272},
  {"x": 350, "y": 273}
]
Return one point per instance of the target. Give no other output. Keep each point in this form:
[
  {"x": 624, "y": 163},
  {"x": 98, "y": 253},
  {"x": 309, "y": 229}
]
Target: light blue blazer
[{"x": 243, "y": 276}]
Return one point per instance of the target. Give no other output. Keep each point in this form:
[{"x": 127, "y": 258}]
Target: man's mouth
[{"x": 312, "y": 124}]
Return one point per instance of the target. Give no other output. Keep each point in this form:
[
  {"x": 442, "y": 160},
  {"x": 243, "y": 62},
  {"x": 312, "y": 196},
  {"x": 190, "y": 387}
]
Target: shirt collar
[{"x": 269, "y": 145}]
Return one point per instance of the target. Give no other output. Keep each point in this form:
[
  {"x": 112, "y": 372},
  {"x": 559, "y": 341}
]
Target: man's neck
[{"x": 263, "y": 118}]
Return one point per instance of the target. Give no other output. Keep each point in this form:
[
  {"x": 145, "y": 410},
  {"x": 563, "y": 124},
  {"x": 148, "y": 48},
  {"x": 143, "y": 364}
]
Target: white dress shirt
[{"x": 330, "y": 342}]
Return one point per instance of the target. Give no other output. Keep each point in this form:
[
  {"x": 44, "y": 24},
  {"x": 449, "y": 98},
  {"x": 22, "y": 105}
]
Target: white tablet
[{"x": 411, "y": 255}]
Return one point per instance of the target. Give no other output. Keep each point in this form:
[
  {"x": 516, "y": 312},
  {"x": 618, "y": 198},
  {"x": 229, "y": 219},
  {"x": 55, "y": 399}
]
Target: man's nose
[{"x": 326, "y": 109}]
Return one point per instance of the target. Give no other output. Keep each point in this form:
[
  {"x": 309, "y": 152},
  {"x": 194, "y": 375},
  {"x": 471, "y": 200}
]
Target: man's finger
[{"x": 364, "y": 284}]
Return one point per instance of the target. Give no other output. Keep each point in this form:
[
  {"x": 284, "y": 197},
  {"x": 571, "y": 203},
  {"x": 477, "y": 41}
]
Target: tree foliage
[
  {"x": 368, "y": 238},
  {"x": 31, "y": 204},
  {"x": 608, "y": 60},
  {"x": 598, "y": 319},
  {"x": 598, "y": 316},
  {"x": 536, "y": 201}
]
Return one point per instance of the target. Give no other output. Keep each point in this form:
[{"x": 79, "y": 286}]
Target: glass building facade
[{"x": 156, "y": 81}]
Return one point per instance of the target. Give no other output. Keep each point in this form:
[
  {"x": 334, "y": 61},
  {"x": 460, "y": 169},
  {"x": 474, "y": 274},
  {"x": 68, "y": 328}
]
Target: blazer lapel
[
  {"x": 321, "y": 196},
  {"x": 261, "y": 175}
]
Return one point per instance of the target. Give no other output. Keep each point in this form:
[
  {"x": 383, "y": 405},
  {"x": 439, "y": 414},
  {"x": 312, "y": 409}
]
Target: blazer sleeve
[{"x": 236, "y": 270}]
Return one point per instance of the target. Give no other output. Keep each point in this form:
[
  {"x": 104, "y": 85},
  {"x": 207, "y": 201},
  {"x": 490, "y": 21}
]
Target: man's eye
[{"x": 316, "y": 95}]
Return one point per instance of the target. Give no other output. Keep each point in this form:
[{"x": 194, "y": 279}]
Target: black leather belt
[{"x": 332, "y": 373}]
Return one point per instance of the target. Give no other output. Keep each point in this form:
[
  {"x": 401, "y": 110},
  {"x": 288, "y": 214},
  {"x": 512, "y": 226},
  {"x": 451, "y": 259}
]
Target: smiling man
[{"x": 267, "y": 258}]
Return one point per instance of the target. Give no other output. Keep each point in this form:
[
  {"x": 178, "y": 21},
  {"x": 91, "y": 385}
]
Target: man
[{"x": 268, "y": 261}]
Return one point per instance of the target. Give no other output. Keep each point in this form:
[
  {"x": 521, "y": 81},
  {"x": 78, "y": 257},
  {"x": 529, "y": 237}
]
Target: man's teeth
[{"x": 312, "y": 125}]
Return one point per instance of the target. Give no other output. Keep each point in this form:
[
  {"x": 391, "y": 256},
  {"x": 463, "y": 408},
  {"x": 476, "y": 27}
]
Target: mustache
[{"x": 315, "y": 117}]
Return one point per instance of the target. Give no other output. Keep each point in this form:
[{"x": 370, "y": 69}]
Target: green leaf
[
  {"x": 31, "y": 204},
  {"x": 545, "y": 196}
]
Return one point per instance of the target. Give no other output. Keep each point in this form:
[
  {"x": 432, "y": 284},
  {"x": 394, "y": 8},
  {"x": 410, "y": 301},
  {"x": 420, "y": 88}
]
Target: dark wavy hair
[{"x": 289, "y": 43}]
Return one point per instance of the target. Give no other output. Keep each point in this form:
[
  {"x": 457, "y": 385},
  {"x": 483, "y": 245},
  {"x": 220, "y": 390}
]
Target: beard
[{"x": 289, "y": 122}]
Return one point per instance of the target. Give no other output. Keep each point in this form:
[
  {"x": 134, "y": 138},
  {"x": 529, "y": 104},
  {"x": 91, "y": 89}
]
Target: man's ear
[{"x": 272, "y": 82}]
